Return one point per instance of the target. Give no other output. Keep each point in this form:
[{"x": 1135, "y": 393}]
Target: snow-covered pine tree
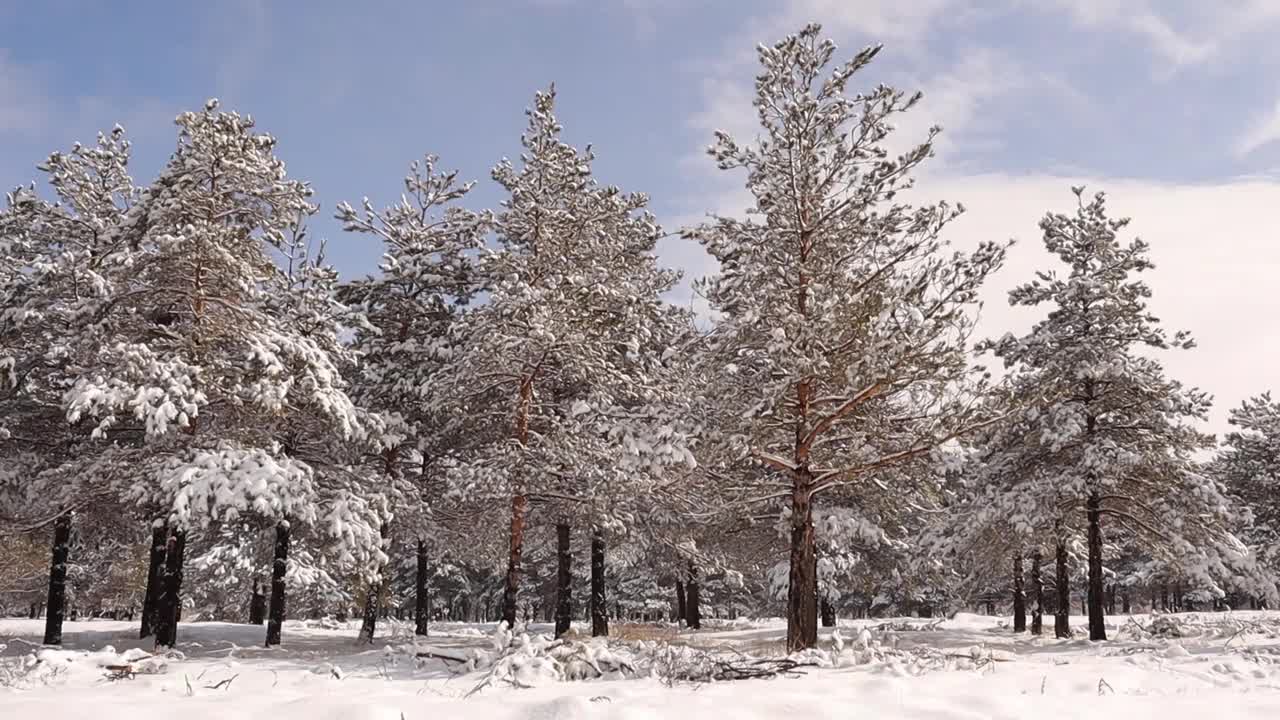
[
  {"x": 557, "y": 372},
  {"x": 1249, "y": 465},
  {"x": 402, "y": 319},
  {"x": 56, "y": 275},
  {"x": 1112, "y": 435},
  {"x": 839, "y": 306},
  {"x": 200, "y": 356}
]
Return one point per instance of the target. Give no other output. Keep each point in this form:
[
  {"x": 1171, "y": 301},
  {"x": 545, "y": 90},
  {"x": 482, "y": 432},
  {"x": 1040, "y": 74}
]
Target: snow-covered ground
[{"x": 1228, "y": 670}]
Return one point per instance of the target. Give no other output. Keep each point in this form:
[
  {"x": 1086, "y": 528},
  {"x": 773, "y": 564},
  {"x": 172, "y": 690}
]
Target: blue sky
[{"x": 1172, "y": 106}]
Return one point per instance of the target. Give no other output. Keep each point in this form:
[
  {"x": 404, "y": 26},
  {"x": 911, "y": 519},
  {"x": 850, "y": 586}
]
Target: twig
[{"x": 222, "y": 683}]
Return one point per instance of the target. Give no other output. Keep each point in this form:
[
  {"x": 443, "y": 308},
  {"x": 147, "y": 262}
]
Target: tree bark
[
  {"x": 564, "y": 580},
  {"x": 828, "y": 613},
  {"x": 372, "y": 604},
  {"x": 511, "y": 592},
  {"x": 693, "y": 614},
  {"x": 802, "y": 585},
  {"x": 680, "y": 609},
  {"x": 599, "y": 606},
  {"x": 1096, "y": 594},
  {"x": 275, "y": 618},
  {"x": 257, "y": 606},
  {"x": 155, "y": 571},
  {"x": 374, "y": 598},
  {"x": 1037, "y": 595},
  {"x": 57, "y": 599},
  {"x": 421, "y": 606},
  {"x": 1019, "y": 597},
  {"x": 170, "y": 601},
  {"x": 1062, "y": 613}
]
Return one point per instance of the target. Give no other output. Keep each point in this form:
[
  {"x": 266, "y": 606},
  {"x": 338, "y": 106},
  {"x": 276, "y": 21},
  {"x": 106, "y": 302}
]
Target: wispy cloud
[{"x": 1263, "y": 131}]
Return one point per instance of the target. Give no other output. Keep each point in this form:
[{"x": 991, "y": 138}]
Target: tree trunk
[
  {"x": 599, "y": 611},
  {"x": 275, "y": 618},
  {"x": 170, "y": 601},
  {"x": 1096, "y": 594},
  {"x": 511, "y": 593},
  {"x": 828, "y": 613},
  {"x": 57, "y": 601},
  {"x": 421, "y": 605},
  {"x": 373, "y": 606},
  {"x": 564, "y": 580},
  {"x": 369, "y": 620},
  {"x": 1037, "y": 595},
  {"x": 680, "y": 610},
  {"x": 155, "y": 571},
  {"x": 802, "y": 585},
  {"x": 1062, "y": 613},
  {"x": 1124, "y": 602},
  {"x": 1019, "y": 597},
  {"x": 693, "y": 614},
  {"x": 257, "y": 606}
]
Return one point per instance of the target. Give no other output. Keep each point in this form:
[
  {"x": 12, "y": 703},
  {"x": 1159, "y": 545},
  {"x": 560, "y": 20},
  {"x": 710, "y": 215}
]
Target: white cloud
[
  {"x": 1180, "y": 32},
  {"x": 1264, "y": 131}
]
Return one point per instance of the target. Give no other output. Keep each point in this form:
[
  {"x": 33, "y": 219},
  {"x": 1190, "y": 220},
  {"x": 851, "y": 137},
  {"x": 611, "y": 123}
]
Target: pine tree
[
  {"x": 206, "y": 354},
  {"x": 843, "y": 322},
  {"x": 1106, "y": 433},
  {"x": 557, "y": 372},
  {"x": 1249, "y": 466}
]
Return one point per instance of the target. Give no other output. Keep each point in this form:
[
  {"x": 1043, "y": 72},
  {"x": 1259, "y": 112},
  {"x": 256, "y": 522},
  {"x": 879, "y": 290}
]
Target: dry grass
[{"x": 632, "y": 632}]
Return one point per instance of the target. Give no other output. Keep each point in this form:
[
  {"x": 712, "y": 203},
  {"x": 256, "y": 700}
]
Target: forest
[{"x": 201, "y": 420}]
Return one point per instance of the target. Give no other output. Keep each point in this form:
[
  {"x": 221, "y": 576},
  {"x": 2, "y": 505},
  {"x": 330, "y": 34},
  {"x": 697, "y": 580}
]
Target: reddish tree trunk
[
  {"x": 511, "y": 592},
  {"x": 802, "y": 587}
]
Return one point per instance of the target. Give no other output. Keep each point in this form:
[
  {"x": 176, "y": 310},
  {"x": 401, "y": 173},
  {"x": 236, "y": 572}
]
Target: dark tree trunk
[
  {"x": 693, "y": 614},
  {"x": 564, "y": 580},
  {"x": 57, "y": 601},
  {"x": 275, "y": 618},
  {"x": 170, "y": 603},
  {"x": 1097, "y": 622},
  {"x": 681, "y": 613},
  {"x": 1037, "y": 595},
  {"x": 599, "y": 606},
  {"x": 257, "y": 606},
  {"x": 155, "y": 572},
  {"x": 1062, "y": 613},
  {"x": 1124, "y": 603},
  {"x": 828, "y": 613},
  {"x": 511, "y": 592},
  {"x": 421, "y": 606},
  {"x": 369, "y": 620},
  {"x": 1019, "y": 597},
  {"x": 802, "y": 585}
]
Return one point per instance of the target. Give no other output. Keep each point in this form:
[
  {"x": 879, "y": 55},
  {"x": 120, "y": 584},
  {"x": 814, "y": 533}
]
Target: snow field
[{"x": 220, "y": 671}]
